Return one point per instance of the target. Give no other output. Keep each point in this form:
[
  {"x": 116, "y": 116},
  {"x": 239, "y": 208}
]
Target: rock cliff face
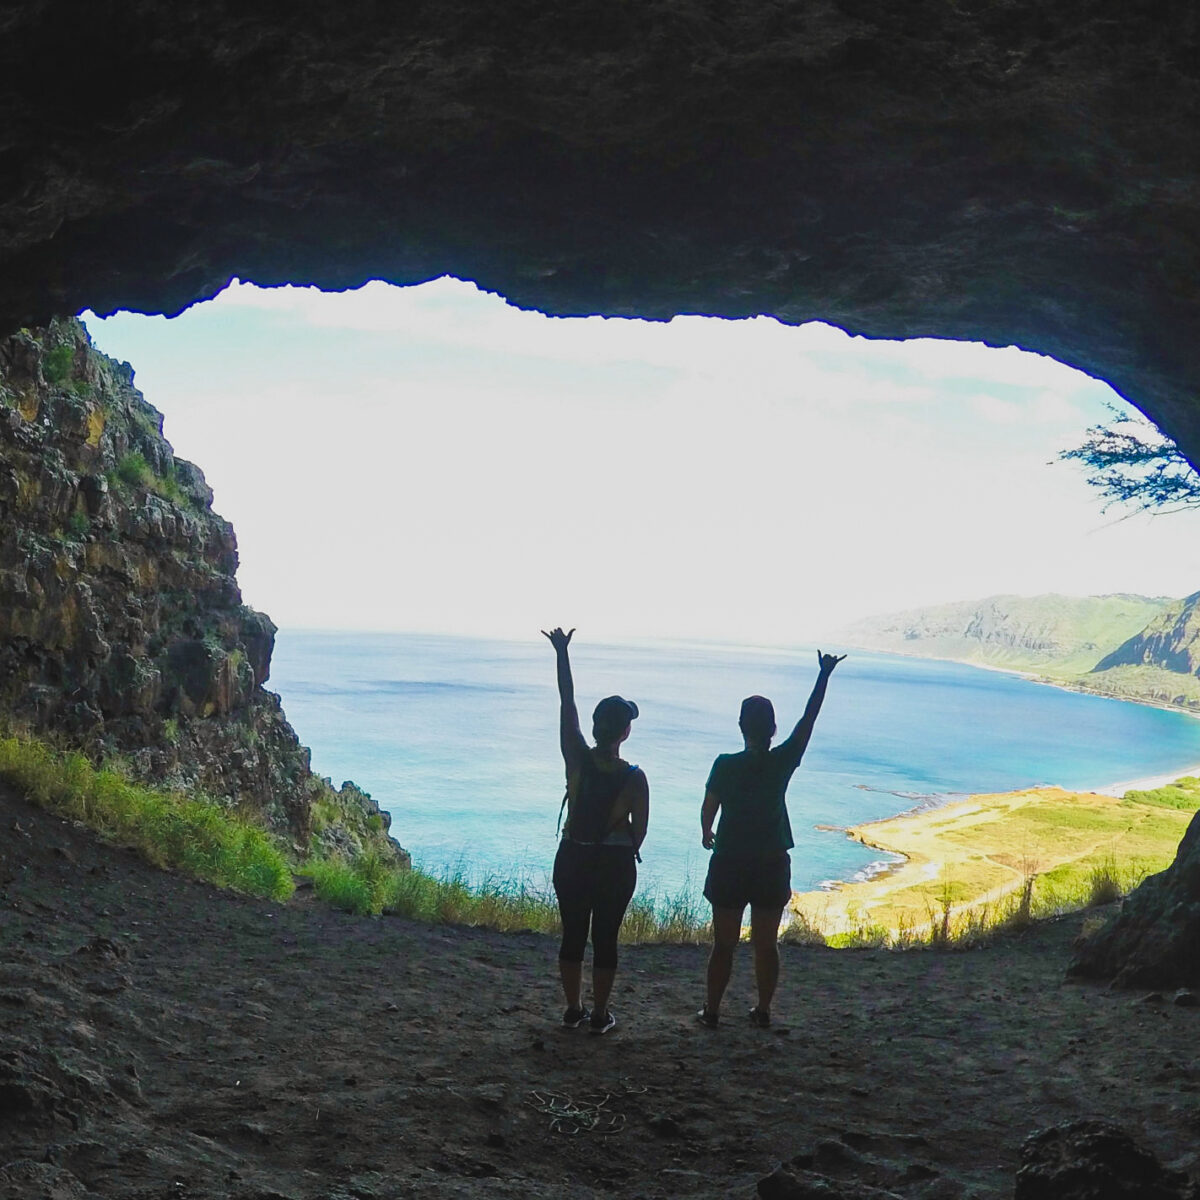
[
  {"x": 121, "y": 624},
  {"x": 1171, "y": 641},
  {"x": 1007, "y": 170}
]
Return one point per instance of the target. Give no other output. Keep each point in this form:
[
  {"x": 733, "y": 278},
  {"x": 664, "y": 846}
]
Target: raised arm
[
  {"x": 570, "y": 739},
  {"x": 797, "y": 741}
]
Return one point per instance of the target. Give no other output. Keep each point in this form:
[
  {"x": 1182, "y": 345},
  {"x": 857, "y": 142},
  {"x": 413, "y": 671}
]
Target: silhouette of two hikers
[{"x": 608, "y": 809}]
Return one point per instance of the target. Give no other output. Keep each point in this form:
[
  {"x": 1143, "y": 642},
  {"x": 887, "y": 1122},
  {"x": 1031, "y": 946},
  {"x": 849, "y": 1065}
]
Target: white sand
[{"x": 1147, "y": 782}]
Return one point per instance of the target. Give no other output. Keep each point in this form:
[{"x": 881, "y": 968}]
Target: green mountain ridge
[{"x": 1143, "y": 648}]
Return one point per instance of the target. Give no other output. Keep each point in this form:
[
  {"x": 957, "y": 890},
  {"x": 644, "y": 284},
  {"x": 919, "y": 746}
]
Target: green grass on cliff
[{"x": 170, "y": 830}]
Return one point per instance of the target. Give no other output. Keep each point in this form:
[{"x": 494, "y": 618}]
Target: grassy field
[{"x": 993, "y": 859}]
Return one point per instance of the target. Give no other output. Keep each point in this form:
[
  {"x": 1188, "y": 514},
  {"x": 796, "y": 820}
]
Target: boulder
[
  {"x": 1154, "y": 938},
  {"x": 1094, "y": 1160}
]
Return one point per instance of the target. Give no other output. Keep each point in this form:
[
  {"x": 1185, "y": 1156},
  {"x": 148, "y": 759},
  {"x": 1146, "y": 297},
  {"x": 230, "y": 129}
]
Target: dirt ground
[{"x": 163, "y": 1039}]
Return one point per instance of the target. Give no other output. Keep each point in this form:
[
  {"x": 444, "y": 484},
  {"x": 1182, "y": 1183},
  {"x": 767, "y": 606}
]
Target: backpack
[{"x": 591, "y": 815}]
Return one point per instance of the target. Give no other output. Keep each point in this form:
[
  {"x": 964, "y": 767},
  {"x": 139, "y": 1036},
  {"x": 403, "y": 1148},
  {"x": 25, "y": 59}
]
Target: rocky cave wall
[
  {"x": 1005, "y": 170},
  {"x": 122, "y": 629}
]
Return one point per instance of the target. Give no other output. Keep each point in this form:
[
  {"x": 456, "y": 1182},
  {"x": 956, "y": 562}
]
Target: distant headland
[{"x": 1139, "y": 648}]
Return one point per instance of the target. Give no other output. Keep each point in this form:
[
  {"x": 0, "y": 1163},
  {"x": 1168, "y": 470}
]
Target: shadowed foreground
[{"x": 158, "y": 1037}]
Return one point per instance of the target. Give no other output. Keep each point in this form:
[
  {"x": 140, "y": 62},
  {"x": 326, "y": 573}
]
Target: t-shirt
[{"x": 751, "y": 787}]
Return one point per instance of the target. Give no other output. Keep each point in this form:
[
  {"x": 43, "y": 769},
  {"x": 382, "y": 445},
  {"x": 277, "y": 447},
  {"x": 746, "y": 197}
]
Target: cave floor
[{"x": 161, "y": 1038}]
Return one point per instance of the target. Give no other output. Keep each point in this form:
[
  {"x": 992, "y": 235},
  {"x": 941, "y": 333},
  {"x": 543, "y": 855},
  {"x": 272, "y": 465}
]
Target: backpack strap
[{"x": 562, "y": 808}]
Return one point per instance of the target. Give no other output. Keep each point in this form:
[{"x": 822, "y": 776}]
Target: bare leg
[
  {"x": 727, "y": 928},
  {"x": 602, "y": 985},
  {"x": 764, "y": 936},
  {"x": 572, "y": 979}
]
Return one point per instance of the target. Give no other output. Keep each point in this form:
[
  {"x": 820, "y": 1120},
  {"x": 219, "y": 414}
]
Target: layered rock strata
[
  {"x": 1171, "y": 641},
  {"x": 122, "y": 628}
]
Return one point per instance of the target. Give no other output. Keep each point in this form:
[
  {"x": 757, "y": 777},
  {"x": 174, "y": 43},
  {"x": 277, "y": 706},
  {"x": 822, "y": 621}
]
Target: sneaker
[
  {"x": 574, "y": 1017},
  {"x": 707, "y": 1018},
  {"x": 602, "y": 1022},
  {"x": 760, "y": 1018}
]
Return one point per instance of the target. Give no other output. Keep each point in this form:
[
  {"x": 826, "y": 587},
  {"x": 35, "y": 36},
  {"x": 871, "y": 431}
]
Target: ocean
[{"x": 458, "y": 739}]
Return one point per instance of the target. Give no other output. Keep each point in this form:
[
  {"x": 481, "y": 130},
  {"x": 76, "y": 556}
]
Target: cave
[
  {"x": 1002, "y": 171},
  {"x": 1006, "y": 172}
]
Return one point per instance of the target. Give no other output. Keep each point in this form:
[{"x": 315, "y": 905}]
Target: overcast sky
[{"x": 432, "y": 459}]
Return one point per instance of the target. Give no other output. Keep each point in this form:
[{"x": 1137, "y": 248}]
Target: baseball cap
[
  {"x": 614, "y": 712},
  {"x": 757, "y": 715}
]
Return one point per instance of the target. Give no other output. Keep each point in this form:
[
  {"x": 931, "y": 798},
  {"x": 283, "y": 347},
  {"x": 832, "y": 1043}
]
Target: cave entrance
[
  {"x": 432, "y": 462},
  {"x": 449, "y": 463}
]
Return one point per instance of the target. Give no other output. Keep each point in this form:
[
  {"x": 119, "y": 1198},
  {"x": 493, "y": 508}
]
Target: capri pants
[{"x": 594, "y": 884}]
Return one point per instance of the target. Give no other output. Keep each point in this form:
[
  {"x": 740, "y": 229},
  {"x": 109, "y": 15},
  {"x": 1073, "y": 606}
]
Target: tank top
[{"x": 590, "y": 811}]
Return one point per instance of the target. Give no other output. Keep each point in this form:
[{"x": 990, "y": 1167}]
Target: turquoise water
[{"x": 458, "y": 739}]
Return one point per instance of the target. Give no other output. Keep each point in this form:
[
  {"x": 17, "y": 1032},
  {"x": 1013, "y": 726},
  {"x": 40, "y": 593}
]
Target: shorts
[{"x": 735, "y": 880}]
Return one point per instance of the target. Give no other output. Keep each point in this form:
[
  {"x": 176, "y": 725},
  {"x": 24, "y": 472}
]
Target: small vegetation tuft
[
  {"x": 170, "y": 830},
  {"x": 58, "y": 364},
  {"x": 1104, "y": 884},
  {"x": 133, "y": 471}
]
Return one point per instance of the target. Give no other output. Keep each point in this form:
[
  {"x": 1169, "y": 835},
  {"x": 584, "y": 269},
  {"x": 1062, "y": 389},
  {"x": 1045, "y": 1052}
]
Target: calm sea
[{"x": 458, "y": 739}]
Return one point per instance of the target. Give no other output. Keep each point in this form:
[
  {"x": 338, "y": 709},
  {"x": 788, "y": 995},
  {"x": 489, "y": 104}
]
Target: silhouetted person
[
  {"x": 750, "y": 862},
  {"x": 595, "y": 872}
]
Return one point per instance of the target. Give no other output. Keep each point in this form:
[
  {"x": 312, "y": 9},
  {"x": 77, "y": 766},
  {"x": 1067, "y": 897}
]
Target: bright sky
[{"x": 431, "y": 458}]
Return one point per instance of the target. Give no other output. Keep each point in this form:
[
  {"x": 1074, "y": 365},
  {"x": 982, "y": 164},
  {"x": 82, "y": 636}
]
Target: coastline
[
  {"x": 881, "y": 869},
  {"x": 1146, "y": 783},
  {"x": 979, "y": 849},
  {"x": 1076, "y": 686}
]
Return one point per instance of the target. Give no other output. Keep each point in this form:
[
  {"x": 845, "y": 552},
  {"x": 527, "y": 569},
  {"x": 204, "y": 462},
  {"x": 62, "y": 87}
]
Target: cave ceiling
[{"x": 1015, "y": 172}]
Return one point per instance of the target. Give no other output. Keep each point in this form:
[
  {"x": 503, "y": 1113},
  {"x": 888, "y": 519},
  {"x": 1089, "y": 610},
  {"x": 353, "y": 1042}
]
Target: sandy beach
[
  {"x": 980, "y": 849},
  {"x": 1148, "y": 782}
]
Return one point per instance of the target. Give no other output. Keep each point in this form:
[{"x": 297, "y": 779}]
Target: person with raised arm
[
  {"x": 595, "y": 869},
  {"x": 750, "y": 863}
]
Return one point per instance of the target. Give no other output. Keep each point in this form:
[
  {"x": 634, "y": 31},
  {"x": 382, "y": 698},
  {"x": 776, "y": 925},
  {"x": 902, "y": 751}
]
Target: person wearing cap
[
  {"x": 595, "y": 869},
  {"x": 750, "y": 863}
]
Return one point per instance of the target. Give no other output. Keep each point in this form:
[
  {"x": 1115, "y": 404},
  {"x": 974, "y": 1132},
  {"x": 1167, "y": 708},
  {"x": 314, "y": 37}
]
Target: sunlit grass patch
[
  {"x": 1182, "y": 795},
  {"x": 676, "y": 919},
  {"x": 802, "y": 930},
  {"x": 368, "y": 885},
  {"x": 170, "y": 830}
]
